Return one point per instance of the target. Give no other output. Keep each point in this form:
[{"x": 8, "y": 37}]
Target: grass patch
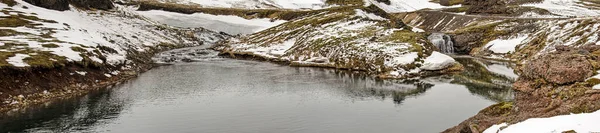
[
  {"x": 15, "y": 21},
  {"x": 107, "y": 49},
  {"x": 344, "y": 2},
  {"x": 10, "y": 3},
  {"x": 8, "y": 32},
  {"x": 78, "y": 49},
  {"x": 4, "y": 56},
  {"x": 45, "y": 59},
  {"x": 499, "y": 109},
  {"x": 50, "y": 45},
  {"x": 11, "y": 45}
]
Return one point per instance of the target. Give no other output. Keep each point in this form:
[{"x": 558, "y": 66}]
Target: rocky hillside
[
  {"x": 354, "y": 38},
  {"x": 48, "y": 53}
]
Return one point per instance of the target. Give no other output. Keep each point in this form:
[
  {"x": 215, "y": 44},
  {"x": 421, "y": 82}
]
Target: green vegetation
[
  {"x": 449, "y": 2},
  {"x": 15, "y": 21},
  {"x": 4, "y": 56},
  {"x": 10, "y": 3},
  {"x": 78, "y": 49},
  {"x": 50, "y": 45},
  {"x": 498, "y": 109},
  {"x": 44, "y": 59},
  {"x": 345, "y": 2}
]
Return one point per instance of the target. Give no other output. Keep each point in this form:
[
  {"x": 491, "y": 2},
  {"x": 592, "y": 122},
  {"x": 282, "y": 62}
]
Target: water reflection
[
  {"x": 490, "y": 79},
  {"x": 67, "y": 115}
]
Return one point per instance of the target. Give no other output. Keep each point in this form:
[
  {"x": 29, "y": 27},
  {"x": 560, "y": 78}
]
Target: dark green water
[{"x": 235, "y": 96}]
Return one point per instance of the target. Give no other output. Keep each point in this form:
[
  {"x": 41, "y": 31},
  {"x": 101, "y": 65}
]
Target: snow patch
[
  {"x": 17, "y": 60},
  {"x": 82, "y": 73},
  {"x": 505, "y": 46},
  {"x": 581, "y": 123},
  {"x": 402, "y": 59},
  {"x": 437, "y": 61}
]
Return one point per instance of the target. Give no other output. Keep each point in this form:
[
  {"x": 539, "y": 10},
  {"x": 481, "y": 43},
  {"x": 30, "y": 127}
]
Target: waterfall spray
[{"x": 442, "y": 42}]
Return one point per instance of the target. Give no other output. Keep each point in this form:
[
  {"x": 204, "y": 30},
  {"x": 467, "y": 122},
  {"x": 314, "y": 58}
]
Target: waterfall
[{"x": 442, "y": 42}]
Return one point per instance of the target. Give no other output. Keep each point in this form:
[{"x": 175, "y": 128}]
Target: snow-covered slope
[
  {"x": 350, "y": 39},
  {"x": 573, "y": 8},
  {"x": 31, "y": 36},
  {"x": 256, "y": 4}
]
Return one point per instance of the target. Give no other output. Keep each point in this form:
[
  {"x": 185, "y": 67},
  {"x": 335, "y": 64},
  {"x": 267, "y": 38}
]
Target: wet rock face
[
  {"x": 62, "y": 5},
  {"x": 464, "y": 43},
  {"x": 566, "y": 65},
  {"x": 93, "y": 4},
  {"x": 388, "y": 2}
]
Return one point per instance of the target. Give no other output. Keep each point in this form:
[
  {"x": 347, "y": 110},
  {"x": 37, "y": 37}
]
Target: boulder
[
  {"x": 464, "y": 43},
  {"x": 566, "y": 65},
  {"x": 59, "y": 5}
]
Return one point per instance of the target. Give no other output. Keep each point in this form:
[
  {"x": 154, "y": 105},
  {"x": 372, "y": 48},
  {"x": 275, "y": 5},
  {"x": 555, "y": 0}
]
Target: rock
[
  {"x": 560, "y": 67},
  {"x": 62, "y": 5},
  {"x": 93, "y": 4},
  {"x": 464, "y": 43}
]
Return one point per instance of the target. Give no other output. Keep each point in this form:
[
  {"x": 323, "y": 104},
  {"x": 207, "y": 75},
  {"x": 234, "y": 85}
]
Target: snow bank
[
  {"x": 437, "y": 61},
  {"x": 257, "y": 4},
  {"x": 226, "y": 23},
  {"x": 581, "y": 123},
  {"x": 505, "y": 46}
]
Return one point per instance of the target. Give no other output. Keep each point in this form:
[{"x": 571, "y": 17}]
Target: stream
[{"x": 202, "y": 92}]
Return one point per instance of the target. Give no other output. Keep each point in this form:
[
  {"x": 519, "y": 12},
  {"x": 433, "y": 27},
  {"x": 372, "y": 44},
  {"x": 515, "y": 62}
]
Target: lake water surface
[{"x": 217, "y": 95}]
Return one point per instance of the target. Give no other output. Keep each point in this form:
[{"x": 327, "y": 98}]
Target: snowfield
[
  {"x": 581, "y": 123},
  {"x": 576, "y": 8},
  {"x": 397, "y": 6},
  {"x": 225, "y": 23}
]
